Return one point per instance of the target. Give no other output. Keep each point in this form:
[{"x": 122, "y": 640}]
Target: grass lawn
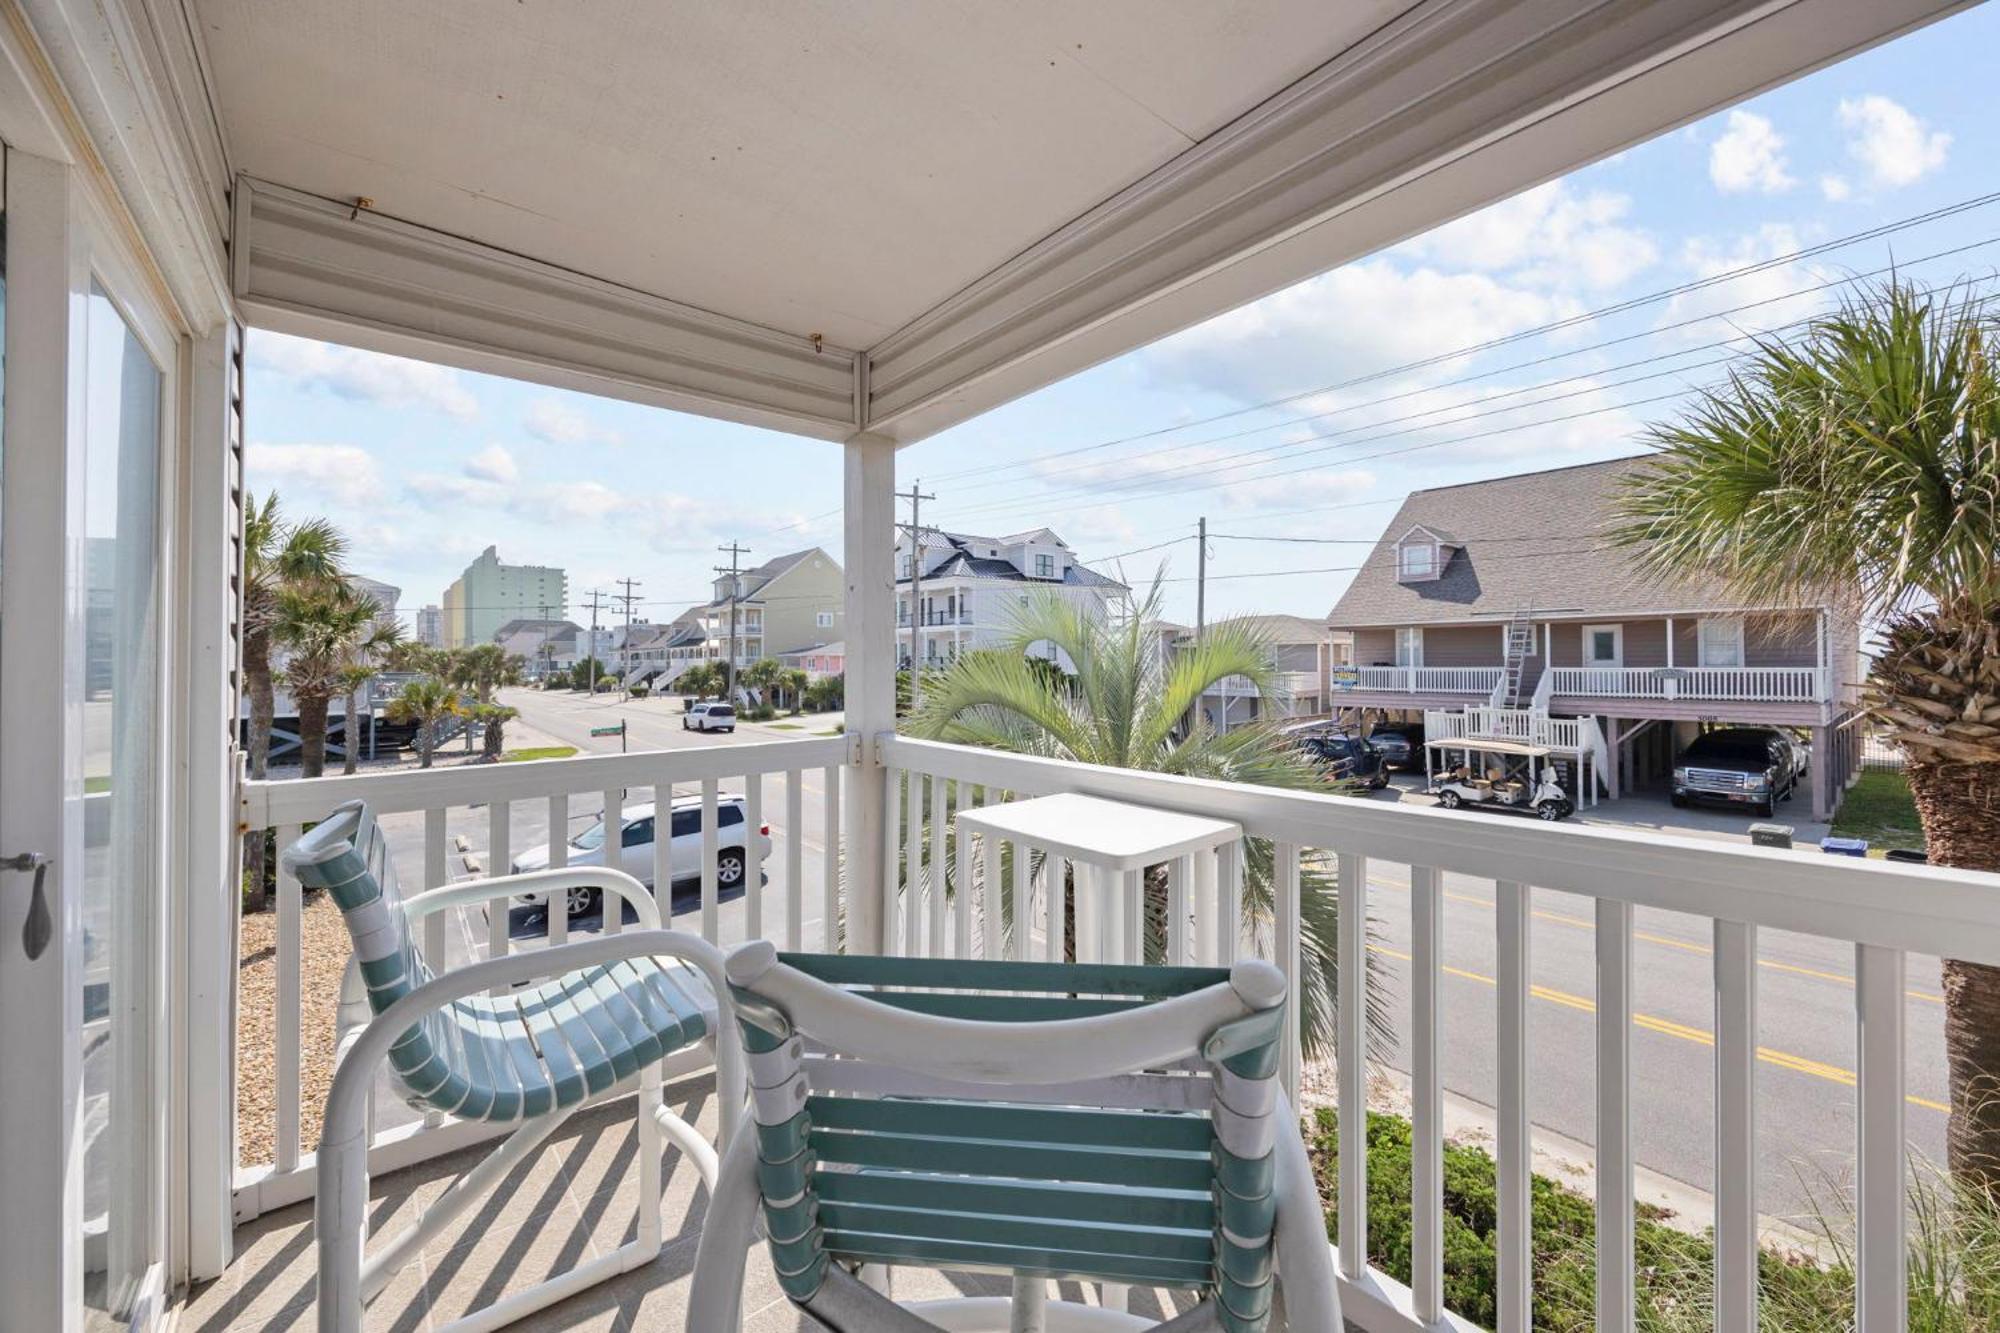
[
  {"x": 784, "y": 726},
  {"x": 1879, "y": 809},
  {"x": 538, "y": 752}
]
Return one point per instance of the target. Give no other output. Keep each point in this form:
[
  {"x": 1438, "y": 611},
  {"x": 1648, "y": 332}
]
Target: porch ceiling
[{"x": 969, "y": 200}]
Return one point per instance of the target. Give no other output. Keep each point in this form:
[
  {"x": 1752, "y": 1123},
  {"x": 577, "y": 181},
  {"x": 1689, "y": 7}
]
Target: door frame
[{"x": 61, "y": 239}]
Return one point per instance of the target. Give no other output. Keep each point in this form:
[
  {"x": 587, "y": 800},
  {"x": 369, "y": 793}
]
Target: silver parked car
[{"x": 635, "y": 856}]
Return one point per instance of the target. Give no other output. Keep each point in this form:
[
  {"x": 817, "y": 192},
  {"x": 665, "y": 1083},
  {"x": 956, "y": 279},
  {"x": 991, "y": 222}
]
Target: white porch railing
[
  {"x": 1435, "y": 680},
  {"x": 1885, "y": 910},
  {"x": 1744, "y": 684},
  {"x": 565, "y": 789},
  {"x": 958, "y": 906}
]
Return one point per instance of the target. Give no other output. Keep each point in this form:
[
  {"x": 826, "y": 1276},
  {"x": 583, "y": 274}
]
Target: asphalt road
[{"x": 1806, "y": 1112}]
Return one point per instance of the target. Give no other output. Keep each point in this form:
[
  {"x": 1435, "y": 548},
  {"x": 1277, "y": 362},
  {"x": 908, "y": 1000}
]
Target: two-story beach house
[
  {"x": 969, "y": 588},
  {"x": 1305, "y": 654},
  {"x": 782, "y": 606},
  {"x": 1505, "y": 604}
]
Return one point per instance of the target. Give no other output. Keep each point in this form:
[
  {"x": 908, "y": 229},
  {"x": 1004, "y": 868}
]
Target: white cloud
[
  {"x": 1835, "y": 188},
  {"x": 493, "y": 463},
  {"x": 1549, "y": 236},
  {"x": 553, "y": 421},
  {"x": 1750, "y": 155},
  {"x": 1891, "y": 144},
  {"x": 343, "y": 473},
  {"x": 1773, "y": 296},
  {"x": 1359, "y": 319},
  {"x": 367, "y": 377}
]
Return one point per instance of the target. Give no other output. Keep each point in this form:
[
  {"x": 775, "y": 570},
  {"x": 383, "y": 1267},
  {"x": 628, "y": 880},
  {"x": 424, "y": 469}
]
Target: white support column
[
  {"x": 869, "y": 561},
  {"x": 204, "y": 1174}
]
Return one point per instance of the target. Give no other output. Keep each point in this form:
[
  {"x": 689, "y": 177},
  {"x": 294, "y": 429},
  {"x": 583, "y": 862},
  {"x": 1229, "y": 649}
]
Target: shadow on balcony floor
[{"x": 572, "y": 1201}]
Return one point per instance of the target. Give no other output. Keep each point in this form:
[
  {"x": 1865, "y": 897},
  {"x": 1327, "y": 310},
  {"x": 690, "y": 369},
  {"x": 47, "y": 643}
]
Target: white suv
[
  {"x": 636, "y": 849},
  {"x": 709, "y": 717}
]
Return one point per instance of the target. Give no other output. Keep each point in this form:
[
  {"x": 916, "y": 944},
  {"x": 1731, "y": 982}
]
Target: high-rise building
[
  {"x": 489, "y": 594},
  {"x": 430, "y": 626}
]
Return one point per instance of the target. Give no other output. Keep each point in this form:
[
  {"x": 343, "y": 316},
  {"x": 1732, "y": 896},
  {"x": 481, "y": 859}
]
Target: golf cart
[{"x": 1495, "y": 775}]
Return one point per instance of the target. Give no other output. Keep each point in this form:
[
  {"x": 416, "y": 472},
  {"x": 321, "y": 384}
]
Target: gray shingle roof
[{"x": 1538, "y": 541}]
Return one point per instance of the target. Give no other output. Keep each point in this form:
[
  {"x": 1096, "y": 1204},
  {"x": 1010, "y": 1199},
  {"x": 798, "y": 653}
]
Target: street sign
[{"x": 618, "y": 730}]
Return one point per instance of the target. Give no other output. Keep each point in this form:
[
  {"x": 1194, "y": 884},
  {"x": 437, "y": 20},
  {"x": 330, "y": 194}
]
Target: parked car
[
  {"x": 1346, "y": 758},
  {"x": 1400, "y": 743},
  {"x": 635, "y": 855},
  {"x": 1753, "y": 766},
  {"x": 709, "y": 717}
]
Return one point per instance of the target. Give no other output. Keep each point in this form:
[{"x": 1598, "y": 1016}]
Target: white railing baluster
[
  {"x": 1350, "y": 1049},
  {"x": 1614, "y": 1116},
  {"x": 753, "y": 865},
  {"x": 1229, "y": 902},
  {"x": 830, "y": 863},
  {"x": 913, "y": 864},
  {"x": 1426, "y": 1096},
  {"x": 893, "y": 871},
  {"x": 499, "y": 861},
  {"x": 1054, "y": 872},
  {"x": 711, "y": 848},
  {"x": 1180, "y": 878},
  {"x": 610, "y": 910},
  {"x": 291, "y": 1002},
  {"x": 1735, "y": 1127},
  {"x": 992, "y": 911},
  {"x": 1024, "y": 903},
  {"x": 1135, "y": 916},
  {"x": 795, "y": 860},
  {"x": 1513, "y": 1241},
  {"x": 557, "y": 915},
  {"x": 1285, "y": 868},
  {"x": 1881, "y": 1262},
  {"x": 437, "y": 874},
  {"x": 663, "y": 850},
  {"x": 961, "y": 911},
  {"x": 940, "y": 895}
]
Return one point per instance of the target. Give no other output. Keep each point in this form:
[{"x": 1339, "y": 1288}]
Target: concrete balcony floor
[{"x": 573, "y": 1200}]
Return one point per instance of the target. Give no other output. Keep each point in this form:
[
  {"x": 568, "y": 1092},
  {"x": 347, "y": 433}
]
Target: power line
[{"x": 1633, "y": 303}]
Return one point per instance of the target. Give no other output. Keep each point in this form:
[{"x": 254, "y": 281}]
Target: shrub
[
  {"x": 1672, "y": 1268},
  {"x": 826, "y": 694},
  {"x": 637, "y": 691}
]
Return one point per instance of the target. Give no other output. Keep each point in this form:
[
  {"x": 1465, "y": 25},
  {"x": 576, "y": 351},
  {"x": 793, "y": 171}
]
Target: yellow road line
[
  {"x": 1688, "y": 946},
  {"x": 1667, "y": 1027}
]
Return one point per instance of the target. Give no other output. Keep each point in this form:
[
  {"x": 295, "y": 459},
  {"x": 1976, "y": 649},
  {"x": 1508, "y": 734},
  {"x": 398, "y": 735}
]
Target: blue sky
[{"x": 424, "y": 466}]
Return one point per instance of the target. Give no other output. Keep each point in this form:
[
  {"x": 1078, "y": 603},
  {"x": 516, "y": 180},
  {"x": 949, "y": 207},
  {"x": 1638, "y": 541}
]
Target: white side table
[{"x": 1111, "y": 844}]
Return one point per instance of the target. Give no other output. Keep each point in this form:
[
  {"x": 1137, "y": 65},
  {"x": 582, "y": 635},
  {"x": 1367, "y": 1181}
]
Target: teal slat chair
[
  {"x": 525, "y": 1040},
  {"x": 1110, "y": 1124}
]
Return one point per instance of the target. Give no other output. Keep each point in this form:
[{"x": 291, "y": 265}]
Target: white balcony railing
[
  {"x": 1745, "y": 684},
  {"x": 957, "y": 905},
  {"x": 1428, "y": 680}
]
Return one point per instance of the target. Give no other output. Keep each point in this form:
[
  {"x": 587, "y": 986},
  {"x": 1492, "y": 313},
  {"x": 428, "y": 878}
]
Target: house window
[
  {"x": 826, "y": 620},
  {"x": 1604, "y": 645},
  {"x": 905, "y": 567},
  {"x": 1410, "y": 646},
  {"x": 1045, "y": 566},
  {"x": 1719, "y": 642},
  {"x": 1418, "y": 560}
]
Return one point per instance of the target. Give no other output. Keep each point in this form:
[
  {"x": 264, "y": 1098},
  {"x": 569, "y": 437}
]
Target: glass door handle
[{"x": 40, "y": 927}]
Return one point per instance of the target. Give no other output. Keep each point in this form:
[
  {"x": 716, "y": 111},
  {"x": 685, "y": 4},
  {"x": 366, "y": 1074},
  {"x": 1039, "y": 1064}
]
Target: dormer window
[
  {"x": 1416, "y": 560},
  {"x": 1045, "y": 566}
]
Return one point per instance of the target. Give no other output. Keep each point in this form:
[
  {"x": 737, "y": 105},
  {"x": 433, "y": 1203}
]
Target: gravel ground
[{"x": 323, "y": 954}]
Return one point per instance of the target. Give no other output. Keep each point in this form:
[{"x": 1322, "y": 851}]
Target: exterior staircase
[{"x": 1520, "y": 647}]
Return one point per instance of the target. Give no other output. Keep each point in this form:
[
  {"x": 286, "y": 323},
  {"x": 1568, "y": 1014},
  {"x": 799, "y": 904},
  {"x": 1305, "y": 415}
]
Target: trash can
[
  {"x": 1771, "y": 835},
  {"x": 1844, "y": 846}
]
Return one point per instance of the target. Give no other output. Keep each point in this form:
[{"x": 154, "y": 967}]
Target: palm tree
[
  {"x": 276, "y": 555},
  {"x": 701, "y": 680},
  {"x": 321, "y": 627},
  {"x": 794, "y": 685},
  {"x": 485, "y": 669},
  {"x": 382, "y": 643},
  {"x": 1863, "y": 454},
  {"x": 1126, "y": 708},
  {"x": 428, "y": 702},
  {"x": 766, "y": 675},
  {"x": 493, "y": 720}
]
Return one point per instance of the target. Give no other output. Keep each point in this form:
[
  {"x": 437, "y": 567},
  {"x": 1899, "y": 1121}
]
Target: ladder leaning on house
[{"x": 1520, "y": 647}]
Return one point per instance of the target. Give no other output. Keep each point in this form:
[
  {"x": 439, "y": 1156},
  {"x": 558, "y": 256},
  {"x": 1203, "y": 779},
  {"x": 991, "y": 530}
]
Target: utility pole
[
  {"x": 916, "y": 497},
  {"x": 1201, "y": 577},
  {"x": 590, "y": 654},
  {"x": 729, "y": 665},
  {"x": 630, "y": 598}
]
